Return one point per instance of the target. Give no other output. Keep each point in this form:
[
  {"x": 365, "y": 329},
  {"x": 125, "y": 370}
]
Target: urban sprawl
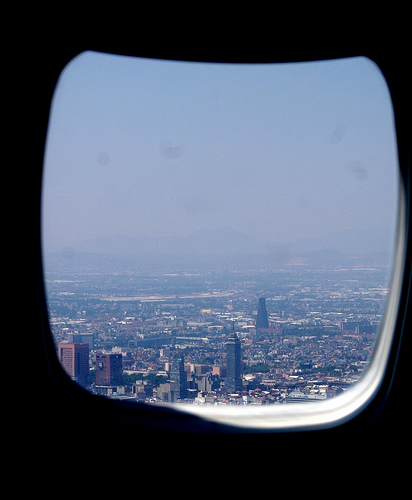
[{"x": 217, "y": 337}]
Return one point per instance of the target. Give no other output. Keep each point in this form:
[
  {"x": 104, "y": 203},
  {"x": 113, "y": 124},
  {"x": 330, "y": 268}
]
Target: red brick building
[{"x": 74, "y": 358}]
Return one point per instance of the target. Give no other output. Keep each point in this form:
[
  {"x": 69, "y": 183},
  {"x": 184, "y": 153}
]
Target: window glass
[{"x": 218, "y": 235}]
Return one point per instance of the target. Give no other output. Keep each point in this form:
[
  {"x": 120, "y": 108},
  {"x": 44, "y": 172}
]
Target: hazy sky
[{"x": 279, "y": 152}]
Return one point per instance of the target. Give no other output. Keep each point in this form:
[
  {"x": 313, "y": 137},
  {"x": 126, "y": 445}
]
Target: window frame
[{"x": 143, "y": 415}]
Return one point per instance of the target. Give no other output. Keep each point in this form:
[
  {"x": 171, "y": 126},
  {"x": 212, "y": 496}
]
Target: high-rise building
[
  {"x": 74, "y": 357},
  {"x": 208, "y": 383},
  {"x": 178, "y": 380},
  {"x": 262, "y": 317},
  {"x": 82, "y": 338},
  {"x": 233, "y": 364},
  {"x": 109, "y": 370}
]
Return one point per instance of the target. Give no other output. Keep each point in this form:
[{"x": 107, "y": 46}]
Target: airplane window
[{"x": 222, "y": 237}]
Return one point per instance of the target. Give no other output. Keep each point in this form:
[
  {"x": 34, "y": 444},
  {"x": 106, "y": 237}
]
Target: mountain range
[
  {"x": 224, "y": 249},
  {"x": 228, "y": 241}
]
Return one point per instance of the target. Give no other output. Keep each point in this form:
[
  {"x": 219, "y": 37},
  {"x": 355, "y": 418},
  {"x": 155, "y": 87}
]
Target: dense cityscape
[{"x": 261, "y": 336}]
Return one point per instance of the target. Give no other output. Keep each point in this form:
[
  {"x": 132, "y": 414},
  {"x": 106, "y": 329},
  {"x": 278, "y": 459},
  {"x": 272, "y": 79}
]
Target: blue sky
[{"x": 279, "y": 152}]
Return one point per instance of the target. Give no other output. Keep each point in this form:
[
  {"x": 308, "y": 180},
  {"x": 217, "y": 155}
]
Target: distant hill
[
  {"x": 203, "y": 242},
  {"x": 225, "y": 248},
  {"x": 350, "y": 242},
  {"x": 228, "y": 241}
]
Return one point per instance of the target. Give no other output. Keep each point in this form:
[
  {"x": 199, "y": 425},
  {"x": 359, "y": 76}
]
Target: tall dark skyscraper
[
  {"x": 178, "y": 380},
  {"x": 234, "y": 363},
  {"x": 262, "y": 317},
  {"x": 109, "y": 369}
]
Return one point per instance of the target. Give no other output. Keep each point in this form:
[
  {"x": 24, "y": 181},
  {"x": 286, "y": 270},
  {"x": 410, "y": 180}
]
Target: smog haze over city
[{"x": 179, "y": 198}]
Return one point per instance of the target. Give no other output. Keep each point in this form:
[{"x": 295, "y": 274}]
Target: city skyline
[{"x": 193, "y": 338}]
